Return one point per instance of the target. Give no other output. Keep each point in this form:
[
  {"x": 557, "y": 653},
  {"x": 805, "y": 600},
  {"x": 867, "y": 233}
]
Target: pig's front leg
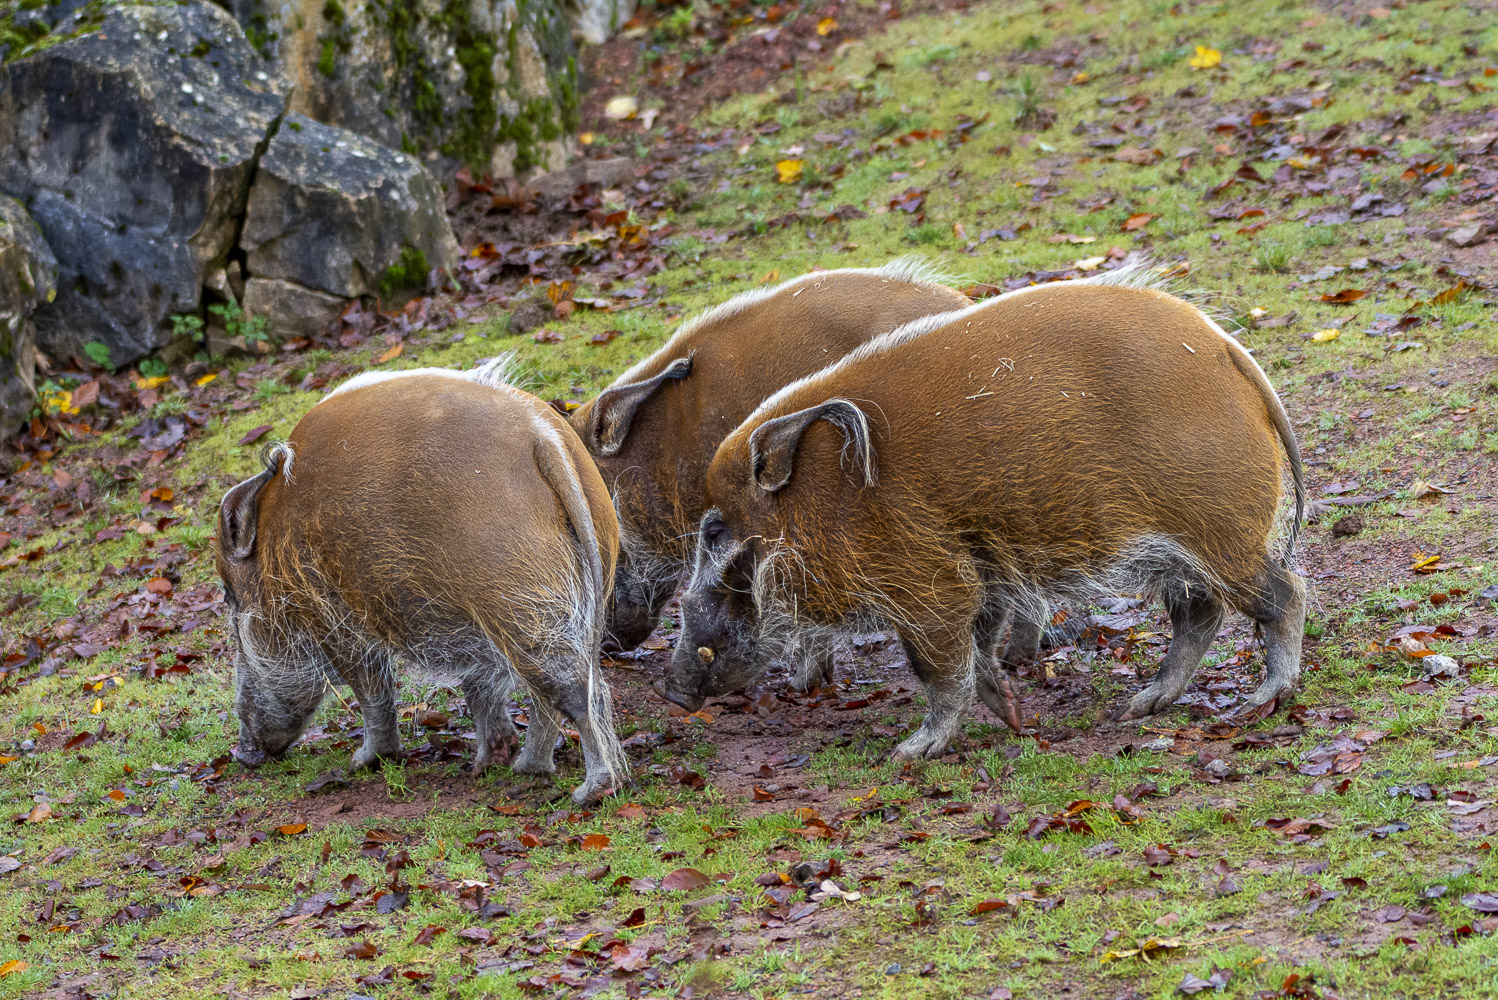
[
  {"x": 948, "y": 677},
  {"x": 372, "y": 676}
]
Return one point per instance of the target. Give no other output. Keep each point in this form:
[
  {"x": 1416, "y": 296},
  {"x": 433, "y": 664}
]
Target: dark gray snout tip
[
  {"x": 250, "y": 756},
  {"x": 690, "y": 702}
]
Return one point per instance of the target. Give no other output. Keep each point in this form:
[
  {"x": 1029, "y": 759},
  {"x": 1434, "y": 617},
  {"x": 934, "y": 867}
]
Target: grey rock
[
  {"x": 131, "y": 142},
  {"x": 488, "y": 84},
  {"x": 1467, "y": 236},
  {"x": 28, "y": 279},
  {"x": 335, "y": 212},
  {"x": 1441, "y": 666},
  {"x": 289, "y": 308}
]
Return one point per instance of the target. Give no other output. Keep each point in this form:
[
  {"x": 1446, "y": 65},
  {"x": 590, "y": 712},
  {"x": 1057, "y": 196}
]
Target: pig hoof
[
  {"x": 1146, "y": 703},
  {"x": 923, "y": 745},
  {"x": 369, "y": 757},
  {"x": 533, "y": 764},
  {"x": 591, "y": 790},
  {"x": 1264, "y": 695},
  {"x": 810, "y": 680}
]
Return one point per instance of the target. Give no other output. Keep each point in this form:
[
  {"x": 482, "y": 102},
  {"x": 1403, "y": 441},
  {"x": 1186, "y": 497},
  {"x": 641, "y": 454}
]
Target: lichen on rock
[
  {"x": 132, "y": 146},
  {"x": 342, "y": 215},
  {"x": 486, "y": 84},
  {"x": 28, "y": 281}
]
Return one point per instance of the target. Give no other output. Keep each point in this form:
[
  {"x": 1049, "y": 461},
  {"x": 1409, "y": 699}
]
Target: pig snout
[
  {"x": 250, "y": 755},
  {"x": 687, "y": 677}
]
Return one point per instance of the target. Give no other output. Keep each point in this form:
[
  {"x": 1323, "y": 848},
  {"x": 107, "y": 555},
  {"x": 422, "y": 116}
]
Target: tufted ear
[
  {"x": 772, "y": 446},
  {"x": 239, "y": 513},
  {"x": 237, "y": 517},
  {"x": 615, "y": 407}
]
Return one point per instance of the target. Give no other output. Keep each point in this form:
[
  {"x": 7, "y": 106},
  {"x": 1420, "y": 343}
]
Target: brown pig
[
  {"x": 436, "y": 517},
  {"x": 654, "y": 431},
  {"x": 1067, "y": 440}
]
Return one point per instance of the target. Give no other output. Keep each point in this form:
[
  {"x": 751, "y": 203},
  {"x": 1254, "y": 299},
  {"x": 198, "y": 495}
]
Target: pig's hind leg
[
  {"x": 487, "y": 689},
  {"x": 813, "y": 660},
  {"x": 538, "y": 756},
  {"x": 1194, "y": 621},
  {"x": 1279, "y": 608},
  {"x": 995, "y": 671},
  {"x": 564, "y": 683}
]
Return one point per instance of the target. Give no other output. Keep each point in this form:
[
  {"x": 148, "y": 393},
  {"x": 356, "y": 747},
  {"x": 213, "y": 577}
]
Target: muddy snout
[
  {"x": 686, "y": 679},
  {"x": 249, "y": 755}
]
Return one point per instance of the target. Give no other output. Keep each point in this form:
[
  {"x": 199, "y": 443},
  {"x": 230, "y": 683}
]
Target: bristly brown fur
[
  {"x": 654, "y": 431},
  {"x": 1029, "y": 449},
  {"x": 453, "y": 523}
]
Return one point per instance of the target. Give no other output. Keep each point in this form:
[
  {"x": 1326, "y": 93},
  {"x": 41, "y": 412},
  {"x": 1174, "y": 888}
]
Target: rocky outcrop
[
  {"x": 289, "y": 309},
  {"x": 487, "y": 84},
  {"x": 132, "y": 134},
  {"x": 177, "y": 155},
  {"x": 132, "y": 144},
  {"x": 28, "y": 280},
  {"x": 334, "y": 213}
]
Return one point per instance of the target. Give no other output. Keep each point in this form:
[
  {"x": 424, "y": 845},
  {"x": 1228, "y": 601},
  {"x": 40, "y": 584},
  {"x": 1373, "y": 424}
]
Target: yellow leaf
[
  {"x": 150, "y": 383},
  {"x": 1205, "y": 58},
  {"x": 292, "y": 829},
  {"x": 789, "y": 171},
  {"x": 391, "y": 354},
  {"x": 98, "y": 706},
  {"x": 1322, "y": 336},
  {"x": 1081, "y": 77},
  {"x": 8, "y": 760},
  {"x": 621, "y": 108},
  {"x": 60, "y": 401},
  {"x": 769, "y": 276},
  {"x": 826, "y": 26},
  {"x": 1089, "y": 263},
  {"x": 14, "y": 965},
  {"x": 207, "y": 378},
  {"x": 585, "y": 138}
]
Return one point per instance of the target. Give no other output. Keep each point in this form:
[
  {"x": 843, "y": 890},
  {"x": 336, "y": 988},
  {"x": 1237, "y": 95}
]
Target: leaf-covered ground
[{"x": 1326, "y": 173}]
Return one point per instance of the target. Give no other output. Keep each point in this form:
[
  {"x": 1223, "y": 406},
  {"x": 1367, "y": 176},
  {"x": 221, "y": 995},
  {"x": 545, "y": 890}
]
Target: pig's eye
[{"x": 714, "y": 532}]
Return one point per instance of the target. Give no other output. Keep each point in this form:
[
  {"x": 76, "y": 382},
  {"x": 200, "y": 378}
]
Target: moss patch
[
  {"x": 405, "y": 275},
  {"x": 20, "y": 38},
  {"x": 337, "y": 38}
]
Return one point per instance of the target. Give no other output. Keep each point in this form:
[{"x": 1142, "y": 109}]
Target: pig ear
[
  {"x": 772, "y": 446},
  {"x": 615, "y": 408},
  {"x": 237, "y": 517},
  {"x": 239, "y": 513}
]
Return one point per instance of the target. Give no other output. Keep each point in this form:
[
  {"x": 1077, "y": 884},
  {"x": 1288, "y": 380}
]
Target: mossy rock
[{"x": 486, "y": 84}]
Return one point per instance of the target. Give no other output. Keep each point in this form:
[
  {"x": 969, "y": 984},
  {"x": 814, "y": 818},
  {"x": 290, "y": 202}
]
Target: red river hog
[
  {"x": 654, "y": 431},
  {"x": 1067, "y": 440},
  {"x": 440, "y": 518}
]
